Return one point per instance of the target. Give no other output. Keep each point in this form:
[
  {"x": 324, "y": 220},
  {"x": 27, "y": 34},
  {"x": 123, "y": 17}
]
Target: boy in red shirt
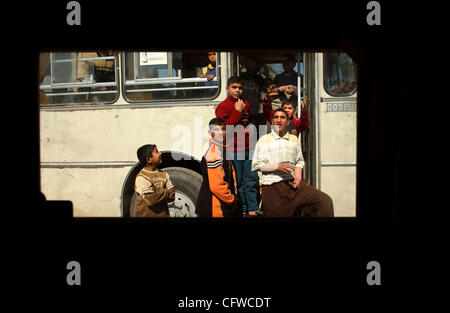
[{"x": 235, "y": 112}]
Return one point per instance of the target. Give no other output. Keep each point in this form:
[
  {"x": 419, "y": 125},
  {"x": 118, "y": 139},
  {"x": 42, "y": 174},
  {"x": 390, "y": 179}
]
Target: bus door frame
[{"x": 309, "y": 139}]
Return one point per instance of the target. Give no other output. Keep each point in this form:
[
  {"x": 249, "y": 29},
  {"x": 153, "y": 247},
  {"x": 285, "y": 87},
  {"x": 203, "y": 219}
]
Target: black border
[{"x": 278, "y": 259}]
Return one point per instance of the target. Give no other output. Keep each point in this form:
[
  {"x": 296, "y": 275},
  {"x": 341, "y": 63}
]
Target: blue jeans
[{"x": 247, "y": 181}]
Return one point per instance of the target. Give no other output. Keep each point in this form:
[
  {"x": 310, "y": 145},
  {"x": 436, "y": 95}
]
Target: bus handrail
[
  {"x": 80, "y": 93},
  {"x": 84, "y": 59},
  {"x": 168, "y": 80},
  {"x": 77, "y": 85},
  {"x": 174, "y": 88}
]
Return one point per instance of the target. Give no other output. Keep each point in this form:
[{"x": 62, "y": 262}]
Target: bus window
[
  {"x": 339, "y": 74},
  {"x": 77, "y": 78},
  {"x": 160, "y": 76}
]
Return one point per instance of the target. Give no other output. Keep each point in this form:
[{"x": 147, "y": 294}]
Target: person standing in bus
[
  {"x": 296, "y": 125},
  {"x": 218, "y": 193},
  {"x": 242, "y": 139},
  {"x": 279, "y": 157},
  {"x": 285, "y": 84},
  {"x": 253, "y": 84},
  {"x": 152, "y": 186}
]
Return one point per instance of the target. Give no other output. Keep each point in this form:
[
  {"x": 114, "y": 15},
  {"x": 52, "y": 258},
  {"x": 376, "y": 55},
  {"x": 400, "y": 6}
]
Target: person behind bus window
[
  {"x": 279, "y": 157},
  {"x": 235, "y": 111},
  {"x": 152, "y": 186},
  {"x": 285, "y": 83},
  {"x": 209, "y": 71},
  {"x": 95, "y": 71},
  {"x": 218, "y": 193},
  {"x": 296, "y": 125}
]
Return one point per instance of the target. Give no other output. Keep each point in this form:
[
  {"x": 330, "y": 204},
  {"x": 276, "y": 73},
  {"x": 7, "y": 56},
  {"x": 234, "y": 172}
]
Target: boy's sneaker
[{"x": 259, "y": 213}]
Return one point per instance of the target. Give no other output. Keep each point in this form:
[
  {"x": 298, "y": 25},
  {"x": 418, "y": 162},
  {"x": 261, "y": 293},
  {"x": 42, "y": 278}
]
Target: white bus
[{"x": 98, "y": 108}]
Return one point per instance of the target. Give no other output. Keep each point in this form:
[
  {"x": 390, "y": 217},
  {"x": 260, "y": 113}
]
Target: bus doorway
[{"x": 270, "y": 65}]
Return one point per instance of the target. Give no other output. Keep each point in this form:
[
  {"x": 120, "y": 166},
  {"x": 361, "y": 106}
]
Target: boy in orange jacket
[{"x": 218, "y": 193}]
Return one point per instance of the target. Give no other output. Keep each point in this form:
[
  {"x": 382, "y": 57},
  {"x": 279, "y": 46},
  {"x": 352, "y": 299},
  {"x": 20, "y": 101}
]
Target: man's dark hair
[
  {"x": 290, "y": 56},
  {"x": 233, "y": 80},
  {"x": 146, "y": 151},
  {"x": 279, "y": 110},
  {"x": 250, "y": 57},
  {"x": 216, "y": 121}
]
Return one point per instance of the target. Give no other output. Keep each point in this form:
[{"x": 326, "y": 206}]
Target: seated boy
[
  {"x": 296, "y": 125},
  {"x": 218, "y": 193},
  {"x": 152, "y": 186}
]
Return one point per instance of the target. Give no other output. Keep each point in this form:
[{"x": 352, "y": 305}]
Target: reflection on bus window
[
  {"x": 159, "y": 76},
  {"x": 77, "y": 78},
  {"x": 339, "y": 74}
]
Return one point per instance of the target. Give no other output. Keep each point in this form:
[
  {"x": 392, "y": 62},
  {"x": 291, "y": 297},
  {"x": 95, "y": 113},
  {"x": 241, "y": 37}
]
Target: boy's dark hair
[
  {"x": 216, "y": 121},
  {"x": 292, "y": 101},
  {"x": 279, "y": 110},
  {"x": 233, "y": 80},
  {"x": 146, "y": 151}
]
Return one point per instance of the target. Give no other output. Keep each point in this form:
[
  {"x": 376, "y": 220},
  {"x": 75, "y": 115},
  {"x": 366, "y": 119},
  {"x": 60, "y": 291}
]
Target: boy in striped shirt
[{"x": 152, "y": 185}]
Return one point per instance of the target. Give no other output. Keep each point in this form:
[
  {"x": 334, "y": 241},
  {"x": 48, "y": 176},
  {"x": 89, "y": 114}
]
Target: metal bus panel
[
  {"x": 94, "y": 192},
  {"x": 110, "y": 135},
  {"x": 336, "y": 139},
  {"x": 339, "y": 182}
]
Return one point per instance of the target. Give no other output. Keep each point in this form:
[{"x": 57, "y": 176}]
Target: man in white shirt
[{"x": 279, "y": 157}]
